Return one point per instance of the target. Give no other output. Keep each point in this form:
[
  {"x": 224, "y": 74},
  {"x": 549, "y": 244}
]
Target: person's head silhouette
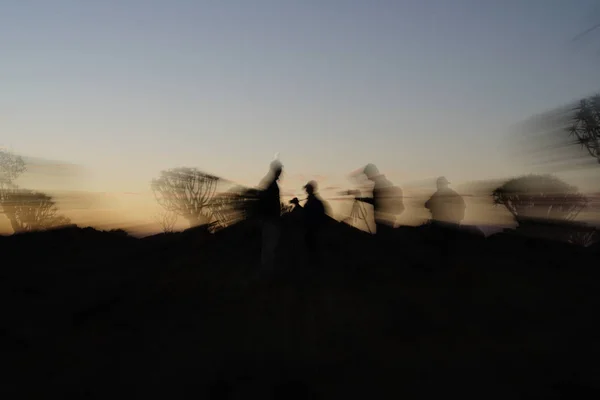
[
  {"x": 442, "y": 183},
  {"x": 311, "y": 187},
  {"x": 295, "y": 201},
  {"x": 371, "y": 172},
  {"x": 276, "y": 168}
]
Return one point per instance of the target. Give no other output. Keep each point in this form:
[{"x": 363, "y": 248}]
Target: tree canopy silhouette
[
  {"x": 11, "y": 166},
  {"x": 585, "y": 125},
  {"x": 540, "y": 197},
  {"x": 30, "y": 211},
  {"x": 186, "y": 192}
]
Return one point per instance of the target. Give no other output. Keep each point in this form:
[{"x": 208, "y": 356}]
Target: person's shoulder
[{"x": 272, "y": 185}]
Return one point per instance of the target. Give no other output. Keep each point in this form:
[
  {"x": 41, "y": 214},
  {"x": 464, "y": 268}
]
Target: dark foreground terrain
[{"x": 90, "y": 314}]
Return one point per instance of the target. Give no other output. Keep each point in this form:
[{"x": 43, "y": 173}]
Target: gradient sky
[{"x": 126, "y": 88}]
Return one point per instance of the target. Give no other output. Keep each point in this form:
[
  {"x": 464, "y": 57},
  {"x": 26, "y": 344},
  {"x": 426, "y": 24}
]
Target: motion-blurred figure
[
  {"x": 387, "y": 200},
  {"x": 446, "y": 206},
  {"x": 447, "y": 212},
  {"x": 297, "y": 208},
  {"x": 270, "y": 213},
  {"x": 315, "y": 212}
]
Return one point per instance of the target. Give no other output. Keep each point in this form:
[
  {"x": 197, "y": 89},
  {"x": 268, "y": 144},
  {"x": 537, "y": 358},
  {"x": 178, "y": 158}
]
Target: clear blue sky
[{"x": 422, "y": 88}]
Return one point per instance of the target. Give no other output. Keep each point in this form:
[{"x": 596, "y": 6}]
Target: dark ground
[{"x": 90, "y": 314}]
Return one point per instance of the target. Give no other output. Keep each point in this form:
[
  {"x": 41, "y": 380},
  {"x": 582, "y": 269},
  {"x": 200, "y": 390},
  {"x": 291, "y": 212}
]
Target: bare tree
[
  {"x": 166, "y": 220},
  {"x": 186, "y": 192},
  {"x": 30, "y": 211},
  {"x": 540, "y": 197},
  {"x": 552, "y": 138},
  {"x": 585, "y": 126}
]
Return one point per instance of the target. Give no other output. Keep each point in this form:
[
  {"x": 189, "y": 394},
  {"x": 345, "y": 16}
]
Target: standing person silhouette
[
  {"x": 270, "y": 213},
  {"x": 314, "y": 212},
  {"x": 447, "y": 212},
  {"x": 297, "y": 208},
  {"x": 387, "y": 199},
  {"x": 446, "y": 206}
]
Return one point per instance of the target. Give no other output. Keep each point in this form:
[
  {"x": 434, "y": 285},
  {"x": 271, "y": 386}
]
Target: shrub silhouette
[
  {"x": 540, "y": 197},
  {"x": 166, "y": 220}
]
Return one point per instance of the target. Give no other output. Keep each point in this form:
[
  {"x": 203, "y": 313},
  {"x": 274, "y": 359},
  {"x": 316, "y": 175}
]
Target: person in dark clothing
[
  {"x": 447, "y": 212},
  {"x": 446, "y": 206},
  {"x": 387, "y": 199},
  {"x": 296, "y": 204},
  {"x": 270, "y": 213},
  {"x": 315, "y": 214},
  {"x": 295, "y": 216}
]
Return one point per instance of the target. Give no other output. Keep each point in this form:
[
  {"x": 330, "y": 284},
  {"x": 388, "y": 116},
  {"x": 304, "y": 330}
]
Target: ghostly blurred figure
[
  {"x": 387, "y": 199},
  {"x": 314, "y": 213},
  {"x": 270, "y": 214},
  {"x": 297, "y": 208},
  {"x": 446, "y": 206},
  {"x": 447, "y": 212}
]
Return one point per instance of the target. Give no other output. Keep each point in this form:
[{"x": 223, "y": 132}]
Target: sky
[{"x": 125, "y": 88}]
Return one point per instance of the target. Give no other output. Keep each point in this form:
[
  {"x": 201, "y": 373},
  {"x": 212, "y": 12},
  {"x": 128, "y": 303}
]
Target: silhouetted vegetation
[
  {"x": 334, "y": 296},
  {"x": 186, "y": 192},
  {"x": 26, "y": 210},
  {"x": 29, "y": 211},
  {"x": 543, "y": 205},
  {"x": 540, "y": 197},
  {"x": 585, "y": 126},
  {"x": 11, "y": 167},
  {"x": 564, "y": 137},
  {"x": 166, "y": 220},
  {"x": 260, "y": 298}
]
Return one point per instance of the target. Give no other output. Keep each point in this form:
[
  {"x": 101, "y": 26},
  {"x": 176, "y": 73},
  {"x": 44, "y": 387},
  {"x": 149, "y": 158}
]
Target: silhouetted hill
[{"x": 90, "y": 314}]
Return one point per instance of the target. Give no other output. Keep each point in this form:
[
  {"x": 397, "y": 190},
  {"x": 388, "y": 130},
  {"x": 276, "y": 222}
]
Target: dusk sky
[{"x": 125, "y": 88}]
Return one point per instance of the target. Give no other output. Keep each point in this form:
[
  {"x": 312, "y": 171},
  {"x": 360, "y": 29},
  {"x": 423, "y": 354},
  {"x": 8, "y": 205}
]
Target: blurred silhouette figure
[
  {"x": 446, "y": 206},
  {"x": 447, "y": 212},
  {"x": 387, "y": 199},
  {"x": 314, "y": 212},
  {"x": 296, "y": 207},
  {"x": 269, "y": 209}
]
